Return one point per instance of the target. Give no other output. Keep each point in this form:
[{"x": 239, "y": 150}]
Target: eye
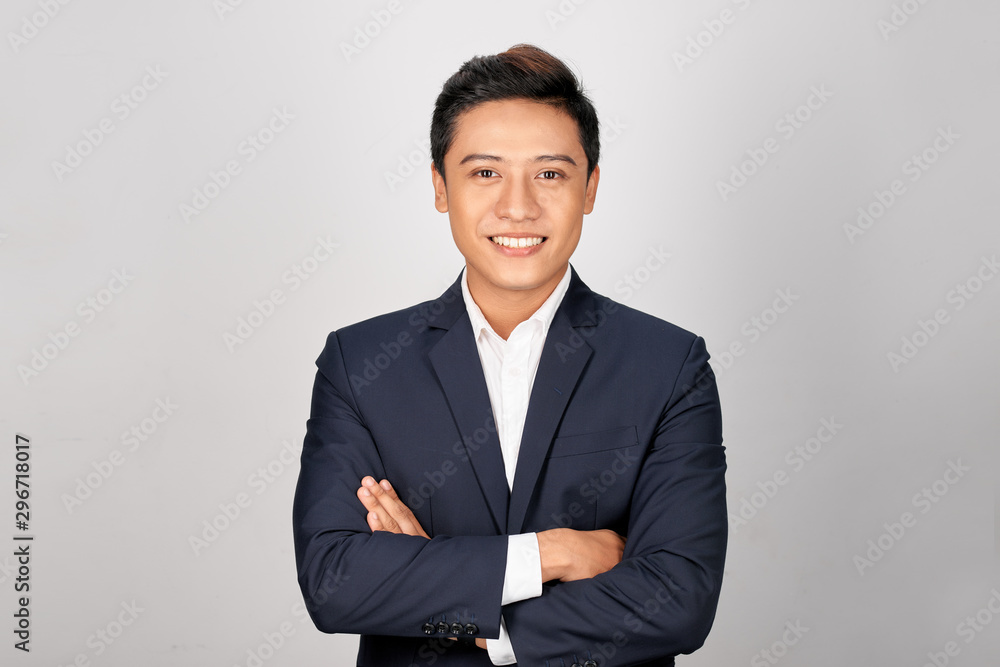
[
  {"x": 550, "y": 175},
  {"x": 486, "y": 173}
]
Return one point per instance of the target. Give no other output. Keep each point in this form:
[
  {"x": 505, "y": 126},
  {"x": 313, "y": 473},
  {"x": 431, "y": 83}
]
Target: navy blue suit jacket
[{"x": 623, "y": 431}]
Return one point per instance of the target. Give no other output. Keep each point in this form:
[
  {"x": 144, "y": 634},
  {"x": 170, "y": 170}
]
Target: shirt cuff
[
  {"x": 522, "y": 580},
  {"x": 500, "y": 650},
  {"x": 523, "y": 576}
]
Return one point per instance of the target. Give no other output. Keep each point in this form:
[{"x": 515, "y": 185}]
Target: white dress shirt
[{"x": 510, "y": 366}]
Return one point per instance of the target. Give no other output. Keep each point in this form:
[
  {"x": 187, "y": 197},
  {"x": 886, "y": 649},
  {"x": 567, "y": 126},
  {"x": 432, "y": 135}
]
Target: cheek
[{"x": 464, "y": 231}]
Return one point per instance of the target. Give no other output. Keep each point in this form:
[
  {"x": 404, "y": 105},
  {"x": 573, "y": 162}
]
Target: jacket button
[
  {"x": 443, "y": 628},
  {"x": 457, "y": 628},
  {"x": 428, "y": 629},
  {"x": 471, "y": 629}
]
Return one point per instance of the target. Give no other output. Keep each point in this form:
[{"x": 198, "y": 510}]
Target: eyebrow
[{"x": 485, "y": 157}]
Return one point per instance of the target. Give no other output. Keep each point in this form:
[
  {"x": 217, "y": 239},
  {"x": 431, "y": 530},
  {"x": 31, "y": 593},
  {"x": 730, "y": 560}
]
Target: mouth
[{"x": 518, "y": 241}]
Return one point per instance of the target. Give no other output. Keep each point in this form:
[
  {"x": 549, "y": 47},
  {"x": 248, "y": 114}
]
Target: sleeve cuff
[
  {"x": 523, "y": 576},
  {"x": 500, "y": 650}
]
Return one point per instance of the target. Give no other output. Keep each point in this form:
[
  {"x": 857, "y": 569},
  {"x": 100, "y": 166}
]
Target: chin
[{"x": 522, "y": 280}]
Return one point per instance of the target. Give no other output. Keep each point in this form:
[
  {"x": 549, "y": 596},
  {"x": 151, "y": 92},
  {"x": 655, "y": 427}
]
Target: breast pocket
[
  {"x": 591, "y": 443},
  {"x": 588, "y": 479}
]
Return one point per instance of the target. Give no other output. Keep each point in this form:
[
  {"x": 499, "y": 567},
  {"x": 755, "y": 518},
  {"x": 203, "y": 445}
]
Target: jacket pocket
[{"x": 595, "y": 441}]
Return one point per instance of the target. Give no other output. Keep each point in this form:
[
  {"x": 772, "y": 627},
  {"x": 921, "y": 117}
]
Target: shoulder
[
  {"x": 614, "y": 323},
  {"x": 399, "y": 328}
]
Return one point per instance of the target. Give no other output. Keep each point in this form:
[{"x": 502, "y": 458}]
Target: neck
[{"x": 505, "y": 309}]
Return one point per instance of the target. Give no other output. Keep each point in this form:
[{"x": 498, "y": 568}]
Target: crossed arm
[
  {"x": 565, "y": 554},
  {"x": 657, "y": 598}
]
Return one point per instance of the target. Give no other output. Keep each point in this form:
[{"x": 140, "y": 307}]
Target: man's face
[{"x": 516, "y": 195}]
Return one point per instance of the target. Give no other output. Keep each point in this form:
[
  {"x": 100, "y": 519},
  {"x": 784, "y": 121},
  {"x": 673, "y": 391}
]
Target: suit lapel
[
  {"x": 564, "y": 356},
  {"x": 456, "y": 362}
]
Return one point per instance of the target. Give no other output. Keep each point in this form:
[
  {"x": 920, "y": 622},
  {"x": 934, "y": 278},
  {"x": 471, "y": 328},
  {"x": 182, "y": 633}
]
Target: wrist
[{"x": 551, "y": 554}]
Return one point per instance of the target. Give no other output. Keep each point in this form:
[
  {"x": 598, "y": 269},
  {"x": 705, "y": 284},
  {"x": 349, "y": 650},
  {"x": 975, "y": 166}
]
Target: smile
[{"x": 520, "y": 242}]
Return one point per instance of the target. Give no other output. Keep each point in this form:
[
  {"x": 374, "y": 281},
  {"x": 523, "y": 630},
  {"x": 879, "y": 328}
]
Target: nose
[{"x": 517, "y": 201}]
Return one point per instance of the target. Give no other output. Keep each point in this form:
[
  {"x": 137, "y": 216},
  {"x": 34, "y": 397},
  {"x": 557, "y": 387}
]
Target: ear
[
  {"x": 595, "y": 177},
  {"x": 440, "y": 190}
]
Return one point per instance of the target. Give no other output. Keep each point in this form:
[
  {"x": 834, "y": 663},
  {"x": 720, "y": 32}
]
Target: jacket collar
[
  {"x": 455, "y": 359},
  {"x": 578, "y": 305}
]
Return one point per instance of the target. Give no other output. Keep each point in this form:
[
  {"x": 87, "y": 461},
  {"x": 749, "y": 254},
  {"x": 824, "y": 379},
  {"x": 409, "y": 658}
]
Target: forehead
[{"x": 516, "y": 127}]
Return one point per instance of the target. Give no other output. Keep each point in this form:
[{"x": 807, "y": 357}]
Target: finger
[
  {"x": 378, "y": 499},
  {"x": 395, "y": 509},
  {"x": 369, "y": 501},
  {"x": 383, "y": 520},
  {"x": 394, "y": 515},
  {"x": 378, "y": 519},
  {"x": 389, "y": 523}
]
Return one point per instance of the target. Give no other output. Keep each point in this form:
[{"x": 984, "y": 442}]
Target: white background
[{"x": 673, "y": 131}]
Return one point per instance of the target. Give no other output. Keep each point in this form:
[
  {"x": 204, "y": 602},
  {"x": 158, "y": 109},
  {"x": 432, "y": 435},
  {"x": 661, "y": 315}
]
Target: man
[{"x": 520, "y": 470}]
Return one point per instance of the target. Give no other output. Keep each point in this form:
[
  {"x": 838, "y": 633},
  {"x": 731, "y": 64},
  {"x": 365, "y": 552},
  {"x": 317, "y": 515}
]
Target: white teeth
[{"x": 522, "y": 242}]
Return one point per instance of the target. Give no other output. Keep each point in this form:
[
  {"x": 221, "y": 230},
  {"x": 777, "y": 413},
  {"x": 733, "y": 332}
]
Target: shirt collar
[{"x": 544, "y": 315}]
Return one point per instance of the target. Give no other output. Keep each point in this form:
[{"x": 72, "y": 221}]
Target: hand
[
  {"x": 386, "y": 511},
  {"x": 568, "y": 555}
]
